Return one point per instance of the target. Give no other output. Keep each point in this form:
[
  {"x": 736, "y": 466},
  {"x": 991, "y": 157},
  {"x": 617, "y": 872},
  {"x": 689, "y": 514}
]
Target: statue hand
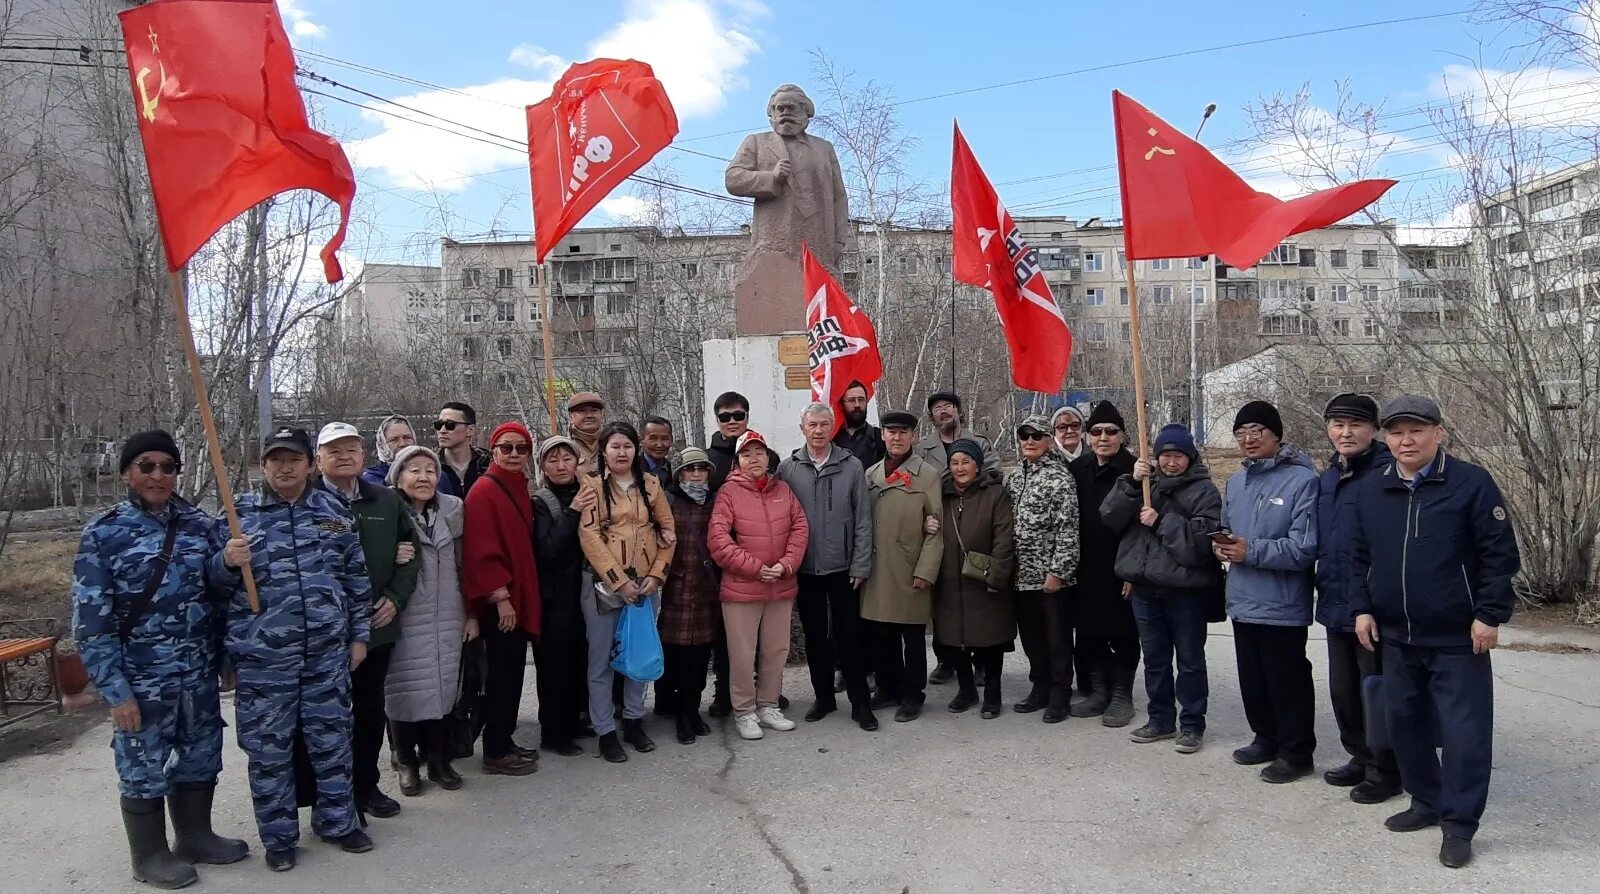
[{"x": 782, "y": 170}]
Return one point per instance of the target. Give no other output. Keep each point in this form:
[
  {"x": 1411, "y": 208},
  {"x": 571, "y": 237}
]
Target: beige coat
[
  {"x": 622, "y": 537},
  {"x": 902, "y": 550}
]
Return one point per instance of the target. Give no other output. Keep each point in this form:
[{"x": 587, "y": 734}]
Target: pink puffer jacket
[{"x": 754, "y": 525}]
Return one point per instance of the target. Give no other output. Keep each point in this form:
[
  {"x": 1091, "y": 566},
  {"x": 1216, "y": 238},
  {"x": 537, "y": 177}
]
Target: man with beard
[
  {"x": 586, "y": 415},
  {"x": 857, "y": 435}
]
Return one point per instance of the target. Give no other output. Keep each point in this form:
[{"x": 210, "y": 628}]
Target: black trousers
[
  {"x": 369, "y": 719},
  {"x": 507, "y": 654},
  {"x": 944, "y": 654},
  {"x": 1275, "y": 684},
  {"x": 1044, "y": 622},
  {"x": 416, "y": 740},
  {"x": 899, "y": 658},
  {"x": 1113, "y": 652},
  {"x": 562, "y": 687},
  {"x": 685, "y": 674},
  {"x": 1348, "y": 665},
  {"x": 719, "y": 668},
  {"x": 830, "y": 615},
  {"x": 989, "y": 659},
  {"x": 1442, "y": 696}
]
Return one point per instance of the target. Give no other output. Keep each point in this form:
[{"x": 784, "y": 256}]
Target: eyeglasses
[
  {"x": 732, "y": 416},
  {"x": 1069, "y": 426},
  {"x": 1032, "y": 436},
  {"x": 1249, "y": 432},
  {"x": 519, "y": 449},
  {"x": 1105, "y": 431},
  {"x": 447, "y": 424},
  {"x": 150, "y": 467}
]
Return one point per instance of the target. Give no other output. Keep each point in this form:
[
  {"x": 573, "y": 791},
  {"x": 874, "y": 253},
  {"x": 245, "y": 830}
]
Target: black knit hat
[
  {"x": 1259, "y": 412},
  {"x": 969, "y": 447},
  {"x": 1350, "y": 405},
  {"x": 950, "y": 396},
  {"x": 1105, "y": 413},
  {"x": 145, "y": 441}
]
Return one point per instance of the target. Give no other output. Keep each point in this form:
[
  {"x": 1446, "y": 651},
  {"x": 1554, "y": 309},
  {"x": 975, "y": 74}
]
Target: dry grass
[
  {"x": 36, "y": 579},
  {"x": 1549, "y": 648}
]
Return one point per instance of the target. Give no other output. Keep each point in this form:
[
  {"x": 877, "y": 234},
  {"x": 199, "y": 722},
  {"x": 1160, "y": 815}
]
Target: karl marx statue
[{"x": 799, "y": 196}]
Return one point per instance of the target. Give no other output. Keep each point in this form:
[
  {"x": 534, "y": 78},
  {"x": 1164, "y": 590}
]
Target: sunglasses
[
  {"x": 1069, "y": 427},
  {"x": 732, "y": 416},
  {"x": 447, "y": 424},
  {"x": 1032, "y": 436},
  {"x": 149, "y": 467},
  {"x": 1105, "y": 431},
  {"x": 519, "y": 449}
]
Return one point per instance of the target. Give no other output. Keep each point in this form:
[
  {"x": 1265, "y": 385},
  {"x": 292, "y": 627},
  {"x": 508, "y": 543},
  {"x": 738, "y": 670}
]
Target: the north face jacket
[{"x": 1272, "y": 504}]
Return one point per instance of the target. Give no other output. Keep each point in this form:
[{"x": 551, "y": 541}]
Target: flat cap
[
  {"x": 897, "y": 419},
  {"x": 1412, "y": 406},
  {"x": 584, "y": 399}
]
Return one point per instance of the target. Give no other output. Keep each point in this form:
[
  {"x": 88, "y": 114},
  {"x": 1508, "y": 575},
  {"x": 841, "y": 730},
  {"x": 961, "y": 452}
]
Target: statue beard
[
  {"x": 855, "y": 418},
  {"x": 788, "y": 127}
]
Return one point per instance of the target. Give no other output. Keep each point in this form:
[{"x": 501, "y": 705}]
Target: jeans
[
  {"x": 1173, "y": 622},
  {"x": 1452, "y": 690},
  {"x": 830, "y": 615}
]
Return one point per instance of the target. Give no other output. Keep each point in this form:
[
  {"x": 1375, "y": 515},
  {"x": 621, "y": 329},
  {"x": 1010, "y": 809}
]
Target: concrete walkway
[{"x": 949, "y": 803}]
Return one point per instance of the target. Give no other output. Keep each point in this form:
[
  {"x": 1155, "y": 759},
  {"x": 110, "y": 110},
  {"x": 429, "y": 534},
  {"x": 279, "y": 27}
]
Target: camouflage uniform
[
  {"x": 293, "y": 659},
  {"x": 170, "y": 661}
]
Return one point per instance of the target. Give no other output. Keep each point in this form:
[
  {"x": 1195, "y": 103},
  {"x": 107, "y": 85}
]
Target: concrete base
[{"x": 749, "y": 365}]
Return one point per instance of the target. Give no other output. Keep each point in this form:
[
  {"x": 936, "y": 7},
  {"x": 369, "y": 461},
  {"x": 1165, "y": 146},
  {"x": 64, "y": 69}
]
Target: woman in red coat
[
  {"x": 500, "y": 584},
  {"x": 758, "y": 536}
]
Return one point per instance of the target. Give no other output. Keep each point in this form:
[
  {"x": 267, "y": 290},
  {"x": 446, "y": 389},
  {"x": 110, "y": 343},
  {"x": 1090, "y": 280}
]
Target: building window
[
  {"x": 1122, "y": 296},
  {"x": 1094, "y": 297},
  {"x": 1197, "y": 294},
  {"x": 1094, "y": 261},
  {"x": 908, "y": 265},
  {"x": 1551, "y": 196},
  {"x": 1096, "y": 334},
  {"x": 1287, "y": 324},
  {"x": 472, "y": 312},
  {"x": 1341, "y": 294},
  {"x": 1122, "y": 260},
  {"x": 1369, "y": 327},
  {"x": 503, "y": 348},
  {"x": 471, "y": 277},
  {"x": 616, "y": 381},
  {"x": 1197, "y": 263},
  {"x": 504, "y": 277},
  {"x": 1494, "y": 214},
  {"x": 1308, "y": 257},
  {"x": 614, "y": 268},
  {"x": 574, "y": 249},
  {"x": 1337, "y": 258},
  {"x": 471, "y": 349},
  {"x": 1127, "y": 331},
  {"x": 535, "y": 312},
  {"x": 1589, "y": 224},
  {"x": 1162, "y": 294},
  {"x": 1282, "y": 253},
  {"x": 533, "y": 276},
  {"x": 1161, "y": 264},
  {"x": 616, "y": 246},
  {"x": 577, "y": 307},
  {"x": 574, "y": 272},
  {"x": 1454, "y": 260},
  {"x": 1341, "y": 327},
  {"x": 1369, "y": 257},
  {"x": 1051, "y": 259},
  {"x": 505, "y": 311},
  {"x": 691, "y": 270},
  {"x": 1369, "y": 293},
  {"x": 1309, "y": 294},
  {"x": 943, "y": 263},
  {"x": 619, "y": 305}
]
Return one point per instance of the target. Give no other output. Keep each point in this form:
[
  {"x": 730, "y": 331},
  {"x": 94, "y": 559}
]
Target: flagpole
[
  {"x": 197, "y": 380},
  {"x": 952, "y": 325},
  {"x": 549, "y": 358},
  {"x": 1138, "y": 367}
]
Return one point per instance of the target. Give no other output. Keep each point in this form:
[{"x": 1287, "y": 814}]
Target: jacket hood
[
  {"x": 986, "y": 478},
  {"x": 747, "y": 481},
  {"x": 719, "y": 441},
  {"x": 1168, "y": 484},
  {"x": 1287, "y": 455}
]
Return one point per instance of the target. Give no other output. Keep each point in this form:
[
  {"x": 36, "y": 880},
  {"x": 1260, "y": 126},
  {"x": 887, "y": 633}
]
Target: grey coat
[
  {"x": 838, "y": 511},
  {"x": 932, "y": 451},
  {"x": 424, "y": 673},
  {"x": 1176, "y": 553}
]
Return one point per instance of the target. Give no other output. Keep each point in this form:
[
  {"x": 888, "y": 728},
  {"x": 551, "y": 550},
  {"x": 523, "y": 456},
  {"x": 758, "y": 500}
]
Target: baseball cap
[
  {"x": 296, "y": 439},
  {"x": 1412, "y": 406},
  {"x": 746, "y": 438},
  {"x": 1034, "y": 423},
  {"x": 583, "y": 399},
  {"x": 335, "y": 431}
]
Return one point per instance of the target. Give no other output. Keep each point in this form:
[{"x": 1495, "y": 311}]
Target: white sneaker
[
  {"x": 749, "y": 727},
  {"x": 772, "y": 718}
]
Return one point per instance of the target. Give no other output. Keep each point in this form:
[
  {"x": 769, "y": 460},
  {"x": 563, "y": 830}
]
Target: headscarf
[{"x": 385, "y": 455}]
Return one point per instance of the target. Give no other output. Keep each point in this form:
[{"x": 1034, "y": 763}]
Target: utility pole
[
  {"x": 1194, "y": 354},
  {"x": 264, "y": 376}
]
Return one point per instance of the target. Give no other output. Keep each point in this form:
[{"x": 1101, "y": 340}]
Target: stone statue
[{"x": 799, "y": 194}]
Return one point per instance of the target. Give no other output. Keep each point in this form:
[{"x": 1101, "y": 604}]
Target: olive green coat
[
  {"x": 901, "y": 549},
  {"x": 969, "y": 613}
]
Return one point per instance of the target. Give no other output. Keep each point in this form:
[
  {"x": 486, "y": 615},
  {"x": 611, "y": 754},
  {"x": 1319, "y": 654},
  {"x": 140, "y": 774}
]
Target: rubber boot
[
  {"x": 153, "y": 863},
  {"x": 1059, "y": 706},
  {"x": 193, "y": 840},
  {"x": 1094, "y": 704},
  {"x": 991, "y": 696},
  {"x": 1119, "y": 711}
]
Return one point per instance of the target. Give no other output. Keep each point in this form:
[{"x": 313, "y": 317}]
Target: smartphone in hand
[{"x": 1222, "y": 537}]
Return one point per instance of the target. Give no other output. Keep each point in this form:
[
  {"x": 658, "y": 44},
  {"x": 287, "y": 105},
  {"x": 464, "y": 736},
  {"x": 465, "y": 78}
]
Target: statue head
[{"x": 790, "y": 110}]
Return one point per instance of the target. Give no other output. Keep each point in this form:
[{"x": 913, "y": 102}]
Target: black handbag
[{"x": 465, "y": 721}]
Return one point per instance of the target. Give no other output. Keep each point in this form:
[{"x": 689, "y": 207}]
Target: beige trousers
[{"x": 758, "y": 642}]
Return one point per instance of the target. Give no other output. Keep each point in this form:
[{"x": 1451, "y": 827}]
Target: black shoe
[
  {"x": 1409, "y": 820},
  {"x": 820, "y": 710},
  {"x": 567, "y": 748},
  {"x": 1094, "y": 704},
  {"x": 443, "y": 775},
  {"x": 1059, "y": 707},
  {"x": 1037, "y": 698},
  {"x": 190, "y": 806},
  {"x": 410, "y": 780},
  {"x": 684, "y": 727},
  {"x": 584, "y": 731},
  {"x": 838, "y": 682},
  {"x": 991, "y": 710},
  {"x": 509, "y": 764},
  {"x": 1455, "y": 852},
  {"x": 907, "y": 713},
  {"x": 881, "y": 700},
  {"x": 943, "y": 673},
  {"x": 700, "y": 726},
  {"x": 721, "y": 707},
  {"x": 153, "y": 863},
  {"x": 964, "y": 701},
  {"x": 1369, "y": 792},
  {"x": 380, "y": 805},
  {"x": 281, "y": 861},
  {"x": 783, "y": 702},
  {"x": 1285, "y": 770},
  {"x": 633, "y": 733},
  {"x": 611, "y": 748},
  {"x": 865, "y": 719},
  {"x": 1253, "y": 754},
  {"x": 1344, "y": 777},
  {"x": 353, "y": 842}
]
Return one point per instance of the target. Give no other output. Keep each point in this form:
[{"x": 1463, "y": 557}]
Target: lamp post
[{"x": 1194, "y": 355}]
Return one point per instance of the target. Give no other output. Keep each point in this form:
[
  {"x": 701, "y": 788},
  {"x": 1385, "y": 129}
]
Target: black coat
[
  {"x": 555, "y": 542},
  {"x": 721, "y": 452},
  {"x": 1100, "y": 608},
  {"x": 866, "y": 444},
  {"x": 1176, "y": 553}
]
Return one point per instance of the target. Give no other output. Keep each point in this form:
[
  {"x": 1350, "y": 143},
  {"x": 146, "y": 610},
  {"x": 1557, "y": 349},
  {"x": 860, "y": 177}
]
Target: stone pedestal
[
  {"x": 752, "y": 366},
  {"x": 769, "y": 294}
]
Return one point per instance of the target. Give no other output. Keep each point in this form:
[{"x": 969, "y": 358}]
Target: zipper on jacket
[
  {"x": 1468, "y": 581},
  {"x": 1405, "y": 552}
]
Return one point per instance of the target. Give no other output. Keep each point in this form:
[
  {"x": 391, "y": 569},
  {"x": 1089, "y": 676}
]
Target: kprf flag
[
  {"x": 1180, "y": 201},
  {"x": 989, "y": 252},
  {"x": 844, "y": 344},
  {"x": 604, "y": 120},
  {"x": 222, "y": 122}
]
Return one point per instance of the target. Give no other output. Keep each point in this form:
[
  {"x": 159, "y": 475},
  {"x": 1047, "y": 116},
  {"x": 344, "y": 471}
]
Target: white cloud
[
  {"x": 1323, "y": 151},
  {"x": 1454, "y": 227},
  {"x": 1538, "y": 97},
  {"x": 300, "y": 22},
  {"x": 624, "y": 209},
  {"x": 698, "y": 49}
]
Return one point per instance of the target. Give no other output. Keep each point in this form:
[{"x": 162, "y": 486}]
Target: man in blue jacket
[
  {"x": 1270, "y": 512},
  {"x": 1435, "y": 555},
  {"x": 1352, "y": 421}
]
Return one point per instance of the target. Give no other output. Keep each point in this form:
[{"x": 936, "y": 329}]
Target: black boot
[
  {"x": 991, "y": 697},
  {"x": 153, "y": 863},
  {"x": 440, "y": 772},
  {"x": 1037, "y": 698},
  {"x": 721, "y": 700},
  {"x": 685, "y": 728},
  {"x": 942, "y": 674},
  {"x": 193, "y": 840},
  {"x": 611, "y": 748},
  {"x": 410, "y": 778},
  {"x": 633, "y": 733},
  {"x": 1094, "y": 704},
  {"x": 1119, "y": 711},
  {"x": 966, "y": 698},
  {"x": 1060, "y": 705}
]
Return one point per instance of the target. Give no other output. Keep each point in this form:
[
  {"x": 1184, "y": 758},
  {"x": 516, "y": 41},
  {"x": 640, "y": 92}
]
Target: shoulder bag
[
  {"x": 974, "y": 565},
  {"x": 158, "y": 573}
]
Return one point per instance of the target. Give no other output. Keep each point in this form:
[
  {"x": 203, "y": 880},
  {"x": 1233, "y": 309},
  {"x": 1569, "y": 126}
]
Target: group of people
[{"x": 403, "y": 599}]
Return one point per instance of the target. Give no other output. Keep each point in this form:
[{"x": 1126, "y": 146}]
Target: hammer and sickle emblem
[
  {"x": 148, "y": 103},
  {"x": 1154, "y": 149}
]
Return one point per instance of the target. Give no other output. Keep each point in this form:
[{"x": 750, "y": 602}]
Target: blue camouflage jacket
[
  {"x": 311, "y": 575},
  {"x": 181, "y": 632}
]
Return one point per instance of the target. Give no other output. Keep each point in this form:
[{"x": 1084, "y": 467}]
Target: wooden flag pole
[
  {"x": 197, "y": 380},
  {"x": 549, "y": 354},
  {"x": 1138, "y": 374}
]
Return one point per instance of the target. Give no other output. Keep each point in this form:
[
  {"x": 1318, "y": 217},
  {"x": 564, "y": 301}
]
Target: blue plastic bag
[{"x": 636, "y": 652}]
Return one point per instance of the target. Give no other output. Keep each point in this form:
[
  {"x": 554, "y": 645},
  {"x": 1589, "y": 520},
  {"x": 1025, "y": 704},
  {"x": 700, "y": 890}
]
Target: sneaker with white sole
[
  {"x": 748, "y": 726},
  {"x": 1189, "y": 741},
  {"x": 772, "y": 718}
]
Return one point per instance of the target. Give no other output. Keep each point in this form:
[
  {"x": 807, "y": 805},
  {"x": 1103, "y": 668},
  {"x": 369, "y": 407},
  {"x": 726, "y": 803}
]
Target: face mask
[{"x": 695, "y": 492}]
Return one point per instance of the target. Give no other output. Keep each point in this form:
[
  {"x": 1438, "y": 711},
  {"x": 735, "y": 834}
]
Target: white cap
[{"x": 336, "y": 431}]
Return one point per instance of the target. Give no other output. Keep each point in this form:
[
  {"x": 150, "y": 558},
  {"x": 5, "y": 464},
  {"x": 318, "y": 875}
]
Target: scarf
[
  {"x": 695, "y": 492},
  {"x": 565, "y": 493},
  {"x": 891, "y": 464}
]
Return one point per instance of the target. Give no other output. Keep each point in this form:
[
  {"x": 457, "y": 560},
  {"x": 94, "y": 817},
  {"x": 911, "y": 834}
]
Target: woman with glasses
[
  {"x": 1044, "y": 498},
  {"x": 500, "y": 583},
  {"x": 627, "y": 536},
  {"x": 1067, "y": 423},
  {"x": 1106, "y": 631}
]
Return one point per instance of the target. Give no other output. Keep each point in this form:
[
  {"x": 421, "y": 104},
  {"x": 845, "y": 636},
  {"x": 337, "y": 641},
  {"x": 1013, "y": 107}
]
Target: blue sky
[{"x": 721, "y": 58}]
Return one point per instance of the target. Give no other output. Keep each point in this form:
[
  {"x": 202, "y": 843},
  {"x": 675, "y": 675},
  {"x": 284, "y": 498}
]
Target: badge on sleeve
[{"x": 1499, "y": 513}]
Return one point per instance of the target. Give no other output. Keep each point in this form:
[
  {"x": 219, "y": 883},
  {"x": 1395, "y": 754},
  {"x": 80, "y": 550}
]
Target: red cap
[
  {"x": 750, "y": 436},
  {"x": 512, "y": 428}
]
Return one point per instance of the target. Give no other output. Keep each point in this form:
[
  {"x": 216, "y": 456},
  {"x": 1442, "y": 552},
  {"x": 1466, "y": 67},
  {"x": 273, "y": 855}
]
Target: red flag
[
  {"x": 989, "y": 252},
  {"x": 844, "y": 344},
  {"x": 222, "y": 121},
  {"x": 1180, "y": 201},
  {"x": 604, "y": 120}
]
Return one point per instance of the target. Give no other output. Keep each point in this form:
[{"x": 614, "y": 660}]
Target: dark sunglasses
[
  {"x": 150, "y": 467},
  {"x": 732, "y": 416},
  {"x": 1105, "y": 431},
  {"x": 447, "y": 424},
  {"x": 1032, "y": 436},
  {"x": 519, "y": 449}
]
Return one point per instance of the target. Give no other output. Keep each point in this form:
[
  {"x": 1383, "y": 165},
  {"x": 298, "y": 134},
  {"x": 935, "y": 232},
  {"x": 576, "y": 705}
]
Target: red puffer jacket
[{"x": 755, "y": 523}]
